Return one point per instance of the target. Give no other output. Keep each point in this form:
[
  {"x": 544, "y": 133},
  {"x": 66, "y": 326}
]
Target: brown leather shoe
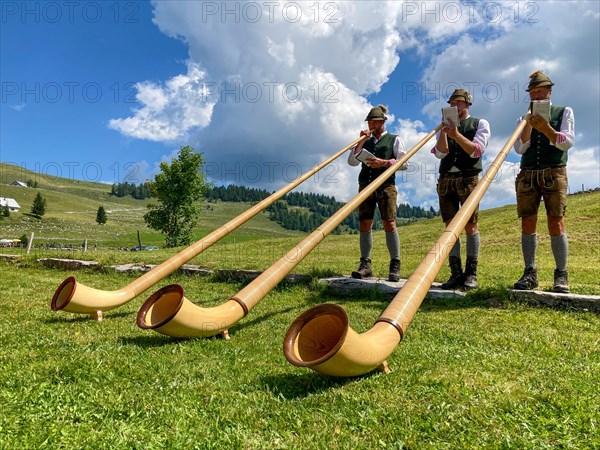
[
  {"x": 470, "y": 273},
  {"x": 528, "y": 281},
  {"x": 457, "y": 277},
  {"x": 364, "y": 269},
  {"x": 561, "y": 281},
  {"x": 394, "y": 270}
]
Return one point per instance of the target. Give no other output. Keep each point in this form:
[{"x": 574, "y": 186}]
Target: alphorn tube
[
  {"x": 75, "y": 297},
  {"x": 169, "y": 312},
  {"x": 321, "y": 339}
]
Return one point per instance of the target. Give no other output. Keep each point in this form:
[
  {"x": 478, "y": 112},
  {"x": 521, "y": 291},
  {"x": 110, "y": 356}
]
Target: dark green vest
[
  {"x": 541, "y": 154},
  {"x": 457, "y": 156},
  {"x": 384, "y": 149}
]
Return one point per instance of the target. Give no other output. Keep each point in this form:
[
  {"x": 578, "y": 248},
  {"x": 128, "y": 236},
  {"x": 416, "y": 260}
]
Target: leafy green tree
[
  {"x": 38, "y": 208},
  {"x": 101, "y": 215},
  {"x": 179, "y": 188},
  {"x": 5, "y": 211}
]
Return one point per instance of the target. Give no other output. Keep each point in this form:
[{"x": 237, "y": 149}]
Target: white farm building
[{"x": 12, "y": 204}]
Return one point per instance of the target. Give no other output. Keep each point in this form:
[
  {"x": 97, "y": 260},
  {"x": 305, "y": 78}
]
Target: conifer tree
[
  {"x": 101, "y": 215},
  {"x": 38, "y": 208}
]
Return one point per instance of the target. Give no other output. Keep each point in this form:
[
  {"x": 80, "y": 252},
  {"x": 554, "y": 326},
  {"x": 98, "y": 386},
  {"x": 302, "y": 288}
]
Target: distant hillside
[
  {"x": 84, "y": 189},
  {"x": 72, "y": 206},
  {"x": 296, "y": 211},
  {"x": 306, "y": 211}
]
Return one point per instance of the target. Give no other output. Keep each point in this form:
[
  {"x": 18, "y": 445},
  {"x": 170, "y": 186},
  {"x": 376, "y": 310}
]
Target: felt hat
[
  {"x": 461, "y": 94},
  {"x": 537, "y": 79},
  {"x": 377, "y": 113}
]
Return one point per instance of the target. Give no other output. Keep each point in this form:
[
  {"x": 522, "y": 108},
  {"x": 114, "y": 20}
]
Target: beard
[{"x": 377, "y": 129}]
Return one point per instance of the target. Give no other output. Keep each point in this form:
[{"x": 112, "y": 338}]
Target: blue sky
[
  {"x": 105, "y": 91},
  {"x": 63, "y": 80}
]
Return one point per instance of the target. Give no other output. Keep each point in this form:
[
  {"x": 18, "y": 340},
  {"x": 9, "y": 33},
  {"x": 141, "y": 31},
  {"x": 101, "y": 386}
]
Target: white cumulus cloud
[
  {"x": 169, "y": 111},
  {"x": 274, "y": 88}
]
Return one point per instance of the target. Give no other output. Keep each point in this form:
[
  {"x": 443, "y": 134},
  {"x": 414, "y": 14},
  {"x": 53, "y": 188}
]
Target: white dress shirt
[
  {"x": 481, "y": 139},
  {"x": 398, "y": 149},
  {"x": 564, "y": 138}
]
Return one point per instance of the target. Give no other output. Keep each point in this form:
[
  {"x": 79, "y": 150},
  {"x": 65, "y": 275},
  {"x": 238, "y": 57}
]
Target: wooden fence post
[{"x": 29, "y": 243}]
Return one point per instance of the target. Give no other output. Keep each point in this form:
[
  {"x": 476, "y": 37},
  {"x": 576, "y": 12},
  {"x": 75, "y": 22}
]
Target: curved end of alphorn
[
  {"x": 72, "y": 296},
  {"x": 169, "y": 312},
  {"x": 322, "y": 340}
]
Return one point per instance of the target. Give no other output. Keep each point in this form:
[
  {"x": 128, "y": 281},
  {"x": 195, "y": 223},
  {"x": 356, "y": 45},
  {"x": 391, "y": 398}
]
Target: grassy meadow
[
  {"x": 71, "y": 207},
  {"x": 478, "y": 372}
]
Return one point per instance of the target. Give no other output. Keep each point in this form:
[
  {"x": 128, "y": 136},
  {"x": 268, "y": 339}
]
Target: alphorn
[
  {"x": 75, "y": 297},
  {"x": 321, "y": 338},
  {"x": 167, "y": 311}
]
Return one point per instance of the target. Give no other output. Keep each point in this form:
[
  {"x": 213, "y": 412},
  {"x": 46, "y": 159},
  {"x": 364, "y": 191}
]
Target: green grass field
[
  {"x": 477, "y": 372},
  {"x": 71, "y": 214},
  {"x": 471, "y": 373}
]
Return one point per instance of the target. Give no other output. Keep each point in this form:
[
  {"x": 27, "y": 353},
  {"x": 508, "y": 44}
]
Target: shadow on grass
[
  {"x": 488, "y": 298},
  {"x": 295, "y": 386},
  {"x": 153, "y": 341},
  {"x": 479, "y": 298},
  {"x": 159, "y": 340},
  {"x": 84, "y": 317},
  {"x": 250, "y": 323}
]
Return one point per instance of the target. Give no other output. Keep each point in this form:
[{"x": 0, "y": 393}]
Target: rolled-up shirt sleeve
[
  {"x": 564, "y": 138},
  {"x": 520, "y": 147},
  {"x": 437, "y": 153},
  {"x": 481, "y": 139},
  {"x": 352, "y": 158},
  {"x": 398, "y": 151}
]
